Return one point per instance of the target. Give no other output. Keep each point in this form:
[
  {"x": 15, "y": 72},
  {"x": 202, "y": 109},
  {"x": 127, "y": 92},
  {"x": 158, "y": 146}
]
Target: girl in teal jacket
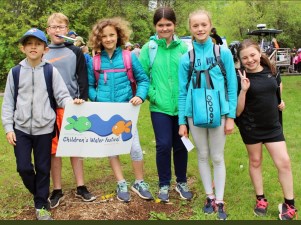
[
  {"x": 208, "y": 141},
  {"x": 163, "y": 97},
  {"x": 109, "y": 35}
]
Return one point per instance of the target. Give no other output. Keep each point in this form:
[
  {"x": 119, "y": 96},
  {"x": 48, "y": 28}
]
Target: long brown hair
[{"x": 264, "y": 60}]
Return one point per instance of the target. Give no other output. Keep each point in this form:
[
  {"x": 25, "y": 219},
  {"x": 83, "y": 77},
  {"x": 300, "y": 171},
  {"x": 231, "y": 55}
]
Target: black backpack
[{"x": 48, "y": 71}]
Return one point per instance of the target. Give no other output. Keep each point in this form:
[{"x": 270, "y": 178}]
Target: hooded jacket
[
  {"x": 33, "y": 114},
  {"x": 164, "y": 89},
  {"x": 204, "y": 57}
]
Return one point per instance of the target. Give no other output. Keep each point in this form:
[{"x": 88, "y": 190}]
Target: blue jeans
[
  {"x": 167, "y": 136},
  {"x": 36, "y": 177}
]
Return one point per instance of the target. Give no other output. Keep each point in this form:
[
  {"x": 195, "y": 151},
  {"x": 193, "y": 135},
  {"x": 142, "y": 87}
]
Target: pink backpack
[{"x": 127, "y": 60}]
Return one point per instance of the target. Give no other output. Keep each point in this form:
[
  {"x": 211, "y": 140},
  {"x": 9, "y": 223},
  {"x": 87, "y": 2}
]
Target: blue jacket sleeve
[
  {"x": 227, "y": 59},
  {"x": 140, "y": 77},
  {"x": 183, "y": 79}
]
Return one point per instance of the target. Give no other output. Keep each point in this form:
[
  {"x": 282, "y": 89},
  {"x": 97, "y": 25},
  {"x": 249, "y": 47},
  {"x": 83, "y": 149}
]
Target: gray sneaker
[
  {"x": 183, "y": 190},
  {"x": 142, "y": 189},
  {"x": 163, "y": 194},
  {"x": 43, "y": 214},
  {"x": 83, "y": 193},
  {"x": 122, "y": 192}
]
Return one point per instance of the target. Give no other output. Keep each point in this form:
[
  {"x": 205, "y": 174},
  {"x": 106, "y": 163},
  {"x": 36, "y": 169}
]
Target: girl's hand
[
  {"x": 78, "y": 101},
  {"x": 244, "y": 81},
  {"x": 183, "y": 130},
  {"x": 281, "y": 106},
  {"x": 229, "y": 126},
  {"x": 11, "y": 138},
  {"x": 136, "y": 100}
]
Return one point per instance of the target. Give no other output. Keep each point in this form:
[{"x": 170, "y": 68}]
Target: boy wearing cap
[
  {"x": 29, "y": 121},
  {"x": 70, "y": 62}
]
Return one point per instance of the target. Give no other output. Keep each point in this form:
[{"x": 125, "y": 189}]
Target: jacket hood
[
  {"x": 26, "y": 64},
  {"x": 162, "y": 42}
]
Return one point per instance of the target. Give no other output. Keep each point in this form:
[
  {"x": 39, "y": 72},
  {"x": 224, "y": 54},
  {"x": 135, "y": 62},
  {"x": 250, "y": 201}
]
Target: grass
[{"x": 239, "y": 192}]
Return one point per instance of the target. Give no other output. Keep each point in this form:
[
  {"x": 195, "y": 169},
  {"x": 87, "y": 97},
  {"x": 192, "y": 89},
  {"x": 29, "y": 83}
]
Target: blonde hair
[
  {"x": 197, "y": 12},
  {"x": 59, "y": 17},
  {"x": 122, "y": 28}
]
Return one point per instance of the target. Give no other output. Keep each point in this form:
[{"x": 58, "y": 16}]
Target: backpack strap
[
  {"x": 219, "y": 62},
  {"x": 16, "y": 75},
  {"x": 127, "y": 60},
  {"x": 191, "y": 55},
  {"x": 96, "y": 68},
  {"x": 48, "y": 73},
  {"x": 153, "y": 48}
]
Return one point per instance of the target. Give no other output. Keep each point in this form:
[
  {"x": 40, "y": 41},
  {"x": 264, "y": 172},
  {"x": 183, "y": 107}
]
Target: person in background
[
  {"x": 108, "y": 35},
  {"x": 72, "y": 34},
  {"x": 29, "y": 119},
  {"x": 128, "y": 46},
  {"x": 70, "y": 62},
  {"x": 217, "y": 39},
  {"x": 210, "y": 142},
  {"x": 88, "y": 57},
  {"x": 163, "y": 97},
  {"x": 79, "y": 41},
  {"x": 136, "y": 49},
  {"x": 258, "y": 121}
]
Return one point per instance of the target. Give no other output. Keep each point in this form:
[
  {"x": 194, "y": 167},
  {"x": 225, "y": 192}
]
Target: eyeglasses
[{"x": 58, "y": 27}]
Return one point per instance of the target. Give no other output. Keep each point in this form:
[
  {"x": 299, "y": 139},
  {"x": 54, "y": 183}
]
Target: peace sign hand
[{"x": 244, "y": 81}]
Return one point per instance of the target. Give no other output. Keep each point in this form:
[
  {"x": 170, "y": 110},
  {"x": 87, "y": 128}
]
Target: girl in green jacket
[{"x": 160, "y": 60}]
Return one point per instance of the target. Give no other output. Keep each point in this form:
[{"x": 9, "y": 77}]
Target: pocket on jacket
[{"x": 23, "y": 114}]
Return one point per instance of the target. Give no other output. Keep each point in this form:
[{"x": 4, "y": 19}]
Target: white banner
[{"x": 95, "y": 129}]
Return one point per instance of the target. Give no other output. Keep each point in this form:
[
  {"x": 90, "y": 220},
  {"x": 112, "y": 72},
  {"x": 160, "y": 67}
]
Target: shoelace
[
  {"x": 164, "y": 189},
  {"x": 123, "y": 187},
  {"x": 44, "y": 212},
  {"x": 143, "y": 185},
  {"x": 262, "y": 203},
  {"x": 184, "y": 186},
  {"x": 290, "y": 211}
]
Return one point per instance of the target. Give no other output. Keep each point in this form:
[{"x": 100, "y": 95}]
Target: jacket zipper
[{"x": 31, "y": 113}]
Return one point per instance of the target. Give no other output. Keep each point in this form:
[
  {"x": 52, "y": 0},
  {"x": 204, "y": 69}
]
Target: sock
[
  {"x": 80, "y": 187},
  {"x": 57, "y": 191},
  {"x": 258, "y": 197},
  {"x": 289, "y": 201},
  {"x": 211, "y": 196},
  {"x": 138, "y": 181},
  {"x": 219, "y": 201},
  {"x": 121, "y": 181}
]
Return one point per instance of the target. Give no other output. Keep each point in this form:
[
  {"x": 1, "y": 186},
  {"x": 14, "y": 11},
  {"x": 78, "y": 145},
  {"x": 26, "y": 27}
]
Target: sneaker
[
  {"x": 122, "y": 192},
  {"x": 83, "y": 193},
  {"x": 209, "y": 206},
  {"x": 286, "y": 212},
  {"x": 55, "y": 198},
  {"x": 261, "y": 207},
  {"x": 43, "y": 214},
  {"x": 163, "y": 193},
  {"x": 221, "y": 214},
  {"x": 183, "y": 190},
  {"x": 142, "y": 189}
]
